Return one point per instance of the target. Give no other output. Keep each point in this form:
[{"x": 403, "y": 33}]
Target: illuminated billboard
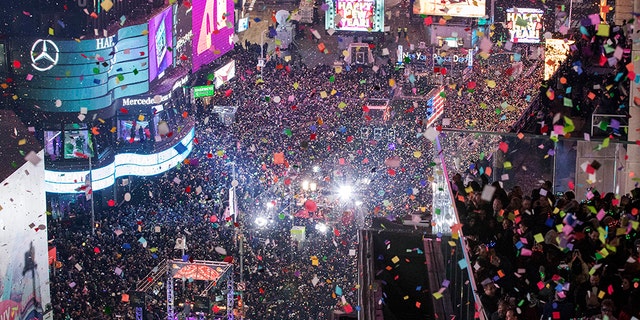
[
  {"x": 454, "y": 8},
  {"x": 24, "y": 267},
  {"x": 72, "y": 76},
  {"x": 160, "y": 41},
  {"x": 225, "y": 73},
  {"x": 524, "y": 25},
  {"x": 182, "y": 34},
  {"x": 124, "y": 164},
  {"x": 213, "y": 28},
  {"x": 355, "y": 15}
]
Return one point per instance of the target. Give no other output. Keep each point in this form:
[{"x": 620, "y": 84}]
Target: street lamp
[{"x": 261, "y": 61}]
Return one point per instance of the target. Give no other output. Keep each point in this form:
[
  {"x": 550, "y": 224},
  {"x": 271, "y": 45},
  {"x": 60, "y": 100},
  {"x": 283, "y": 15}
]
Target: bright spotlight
[
  {"x": 345, "y": 192},
  {"x": 321, "y": 227},
  {"x": 305, "y": 185},
  {"x": 261, "y": 222}
]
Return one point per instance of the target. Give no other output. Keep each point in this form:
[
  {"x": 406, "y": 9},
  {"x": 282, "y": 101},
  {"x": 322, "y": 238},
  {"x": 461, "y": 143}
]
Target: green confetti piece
[
  {"x": 120, "y": 77},
  {"x": 135, "y": 71},
  {"x": 332, "y": 79},
  {"x": 603, "y": 125},
  {"x": 96, "y": 70}
]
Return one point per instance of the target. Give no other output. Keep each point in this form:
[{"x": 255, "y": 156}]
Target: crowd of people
[
  {"x": 296, "y": 122},
  {"x": 539, "y": 255}
]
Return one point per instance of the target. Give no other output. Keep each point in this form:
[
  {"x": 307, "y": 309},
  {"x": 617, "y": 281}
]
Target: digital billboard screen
[
  {"x": 225, "y": 73},
  {"x": 355, "y": 15},
  {"x": 160, "y": 41},
  {"x": 454, "y": 8},
  {"x": 67, "y": 75},
  {"x": 524, "y": 25},
  {"x": 182, "y": 34},
  {"x": 213, "y": 30}
]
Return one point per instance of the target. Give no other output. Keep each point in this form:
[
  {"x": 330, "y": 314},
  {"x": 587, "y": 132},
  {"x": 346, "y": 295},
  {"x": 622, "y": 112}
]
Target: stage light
[
  {"x": 321, "y": 227},
  {"x": 271, "y": 204},
  {"x": 261, "y": 222},
  {"x": 305, "y": 185},
  {"x": 345, "y": 192}
]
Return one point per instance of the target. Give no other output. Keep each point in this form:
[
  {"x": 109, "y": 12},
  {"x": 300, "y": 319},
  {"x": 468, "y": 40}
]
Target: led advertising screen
[
  {"x": 77, "y": 144},
  {"x": 67, "y": 75},
  {"x": 454, "y": 8},
  {"x": 213, "y": 29},
  {"x": 182, "y": 34},
  {"x": 243, "y": 24},
  {"x": 225, "y": 73},
  {"x": 524, "y": 25},
  {"x": 355, "y": 15},
  {"x": 24, "y": 267},
  {"x": 160, "y": 41}
]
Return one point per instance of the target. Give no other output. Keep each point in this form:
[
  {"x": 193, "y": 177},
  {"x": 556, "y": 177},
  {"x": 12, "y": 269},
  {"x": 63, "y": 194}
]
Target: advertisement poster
[
  {"x": 213, "y": 30},
  {"x": 454, "y": 8},
  {"x": 355, "y": 15},
  {"x": 160, "y": 39},
  {"x": 524, "y": 25}
]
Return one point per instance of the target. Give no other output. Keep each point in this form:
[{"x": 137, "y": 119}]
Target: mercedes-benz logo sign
[{"x": 44, "y": 55}]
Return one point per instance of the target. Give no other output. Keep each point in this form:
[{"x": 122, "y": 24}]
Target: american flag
[{"x": 435, "y": 105}]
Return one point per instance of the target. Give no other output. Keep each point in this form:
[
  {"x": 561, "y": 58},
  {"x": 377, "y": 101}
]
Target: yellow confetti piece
[
  {"x": 22, "y": 142},
  {"x": 538, "y": 238},
  {"x": 395, "y": 259}
]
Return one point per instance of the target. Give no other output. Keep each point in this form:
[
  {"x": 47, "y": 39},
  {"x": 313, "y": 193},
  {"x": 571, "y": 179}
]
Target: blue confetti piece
[
  {"x": 549, "y": 222},
  {"x": 462, "y": 263}
]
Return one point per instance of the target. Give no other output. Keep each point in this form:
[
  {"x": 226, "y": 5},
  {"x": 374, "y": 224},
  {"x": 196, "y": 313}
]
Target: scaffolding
[{"x": 199, "y": 270}]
